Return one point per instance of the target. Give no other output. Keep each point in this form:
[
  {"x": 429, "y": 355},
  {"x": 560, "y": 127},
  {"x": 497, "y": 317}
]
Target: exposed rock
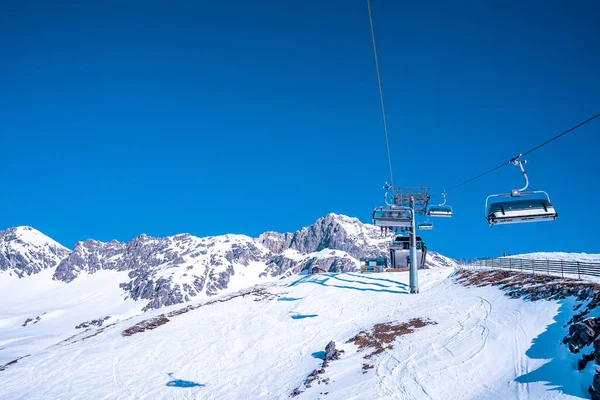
[
  {"x": 594, "y": 390},
  {"x": 315, "y": 377},
  {"x": 31, "y": 321},
  {"x": 585, "y": 359},
  {"x": 146, "y": 325},
  {"x": 95, "y": 322},
  {"x": 331, "y": 353},
  {"x": 13, "y": 362},
  {"x": 582, "y": 334}
]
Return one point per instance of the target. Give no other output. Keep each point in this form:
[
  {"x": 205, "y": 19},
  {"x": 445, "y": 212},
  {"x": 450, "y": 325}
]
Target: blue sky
[{"x": 241, "y": 117}]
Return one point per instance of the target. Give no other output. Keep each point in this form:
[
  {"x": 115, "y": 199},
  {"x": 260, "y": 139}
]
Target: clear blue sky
[{"x": 240, "y": 117}]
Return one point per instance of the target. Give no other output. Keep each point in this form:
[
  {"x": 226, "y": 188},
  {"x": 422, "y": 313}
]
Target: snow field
[{"x": 483, "y": 346}]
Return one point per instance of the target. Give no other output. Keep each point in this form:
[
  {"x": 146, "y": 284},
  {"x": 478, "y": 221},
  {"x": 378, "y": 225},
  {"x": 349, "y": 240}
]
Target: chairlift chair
[
  {"x": 391, "y": 216},
  {"x": 425, "y": 226},
  {"x": 441, "y": 210},
  {"x": 535, "y": 208}
]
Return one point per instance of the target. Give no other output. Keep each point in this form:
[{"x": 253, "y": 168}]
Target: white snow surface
[
  {"x": 35, "y": 238},
  {"x": 557, "y": 255},
  {"x": 484, "y": 345},
  {"x": 59, "y": 305}
]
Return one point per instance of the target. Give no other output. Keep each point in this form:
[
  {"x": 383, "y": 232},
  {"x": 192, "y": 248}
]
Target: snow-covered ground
[
  {"x": 483, "y": 345},
  {"x": 59, "y": 306},
  {"x": 560, "y": 256}
]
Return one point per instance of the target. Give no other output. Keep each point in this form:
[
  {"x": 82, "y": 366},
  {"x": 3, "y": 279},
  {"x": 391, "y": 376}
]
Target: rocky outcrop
[
  {"x": 582, "y": 334},
  {"x": 594, "y": 390},
  {"x": 331, "y": 353},
  {"x": 316, "y": 377},
  {"x": 95, "y": 322},
  {"x": 90, "y": 256}
]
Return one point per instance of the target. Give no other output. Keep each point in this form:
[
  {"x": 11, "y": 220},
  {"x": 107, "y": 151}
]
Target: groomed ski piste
[{"x": 263, "y": 342}]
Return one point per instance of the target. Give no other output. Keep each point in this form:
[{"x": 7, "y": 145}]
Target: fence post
[
  {"x": 509, "y": 264},
  {"x": 548, "y": 266},
  {"x": 533, "y": 266},
  {"x": 578, "y": 270},
  {"x": 562, "y": 269}
]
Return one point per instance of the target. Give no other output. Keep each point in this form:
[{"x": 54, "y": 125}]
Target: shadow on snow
[
  {"x": 180, "y": 383},
  {"x": 364, "y": 276},
  {"x": 302, "y": 316},
  {"x": 323, "y": 280},
  {"x": 289, "y": 298},
  {"x": 560, "y": 373}
]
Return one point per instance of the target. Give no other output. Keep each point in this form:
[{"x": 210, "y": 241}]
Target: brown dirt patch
[
  {"x": 521, "y": 280},
  {"x": 146, "y": 325},
  {"x": 382, "y": 335}
]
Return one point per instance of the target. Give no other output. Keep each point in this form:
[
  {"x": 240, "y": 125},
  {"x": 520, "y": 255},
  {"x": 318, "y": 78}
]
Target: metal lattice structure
[{"x": 402, "y": 197}]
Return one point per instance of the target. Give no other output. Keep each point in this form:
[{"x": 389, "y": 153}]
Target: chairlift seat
[
  {"x": 520, "y": 211},
  {"x": 425, "y": 226},
  {"x": 392, "y": 216},
  {"x": 439, "y": 211}
]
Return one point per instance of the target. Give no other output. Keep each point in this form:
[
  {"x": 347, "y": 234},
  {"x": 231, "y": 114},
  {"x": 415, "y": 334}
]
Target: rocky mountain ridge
[{"x": 174, "y": 269}]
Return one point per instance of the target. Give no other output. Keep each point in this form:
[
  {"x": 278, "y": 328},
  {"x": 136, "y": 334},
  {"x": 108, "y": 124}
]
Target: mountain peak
[
  {"x": 25, "y": 251},
  {"x": 29, "y": 235}
]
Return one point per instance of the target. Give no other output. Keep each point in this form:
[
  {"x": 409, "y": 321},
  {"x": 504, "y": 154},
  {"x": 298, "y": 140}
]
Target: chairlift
[
  {"x": 441, "y": 210},
  {"x": 535, "y": 208},
  {"x": 425, "y": 226},
  {"x": 392, "y": 216}
]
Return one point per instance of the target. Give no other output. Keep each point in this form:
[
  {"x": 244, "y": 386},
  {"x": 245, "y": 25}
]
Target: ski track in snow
[{"x": 246, "y": 348}]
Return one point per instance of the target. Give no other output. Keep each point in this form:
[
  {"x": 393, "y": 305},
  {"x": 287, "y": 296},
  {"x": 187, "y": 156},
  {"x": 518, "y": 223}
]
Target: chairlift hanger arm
[{"x": 517, "y": 161}]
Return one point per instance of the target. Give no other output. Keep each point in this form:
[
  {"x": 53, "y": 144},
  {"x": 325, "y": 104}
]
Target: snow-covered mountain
[
  {"x": 25, "y": 251},
  {"x": 175, "y": 269}
]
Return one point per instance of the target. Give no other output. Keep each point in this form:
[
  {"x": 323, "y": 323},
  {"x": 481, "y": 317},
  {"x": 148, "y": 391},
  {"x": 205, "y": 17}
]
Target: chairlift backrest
[{"x": 522, "y": 210}]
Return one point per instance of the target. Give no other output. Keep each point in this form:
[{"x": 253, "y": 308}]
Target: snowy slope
[
  {"x": 265, "y": 344},
  {"x": 581, "y": 257},
  {"x": 46, "y": 290},
  {"x": 56, "y": 308}
]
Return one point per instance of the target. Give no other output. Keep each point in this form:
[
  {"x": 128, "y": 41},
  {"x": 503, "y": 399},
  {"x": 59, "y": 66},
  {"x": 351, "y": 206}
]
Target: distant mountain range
[{"x": 174, "y": 269}]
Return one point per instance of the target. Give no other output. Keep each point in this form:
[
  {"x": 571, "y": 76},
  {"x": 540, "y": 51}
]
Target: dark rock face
[
  {"x": 94, "y": 322},
  {"x": 583, "y": 362},
  {"x": 582, "y": 334},
  {"x": 90, "y": 256},
  {"x": 31, "y": 321},
  {"x": 594, "y": 390},
  {"x": 335, "y": 232},
  {"x": 331, "y": 353}
]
